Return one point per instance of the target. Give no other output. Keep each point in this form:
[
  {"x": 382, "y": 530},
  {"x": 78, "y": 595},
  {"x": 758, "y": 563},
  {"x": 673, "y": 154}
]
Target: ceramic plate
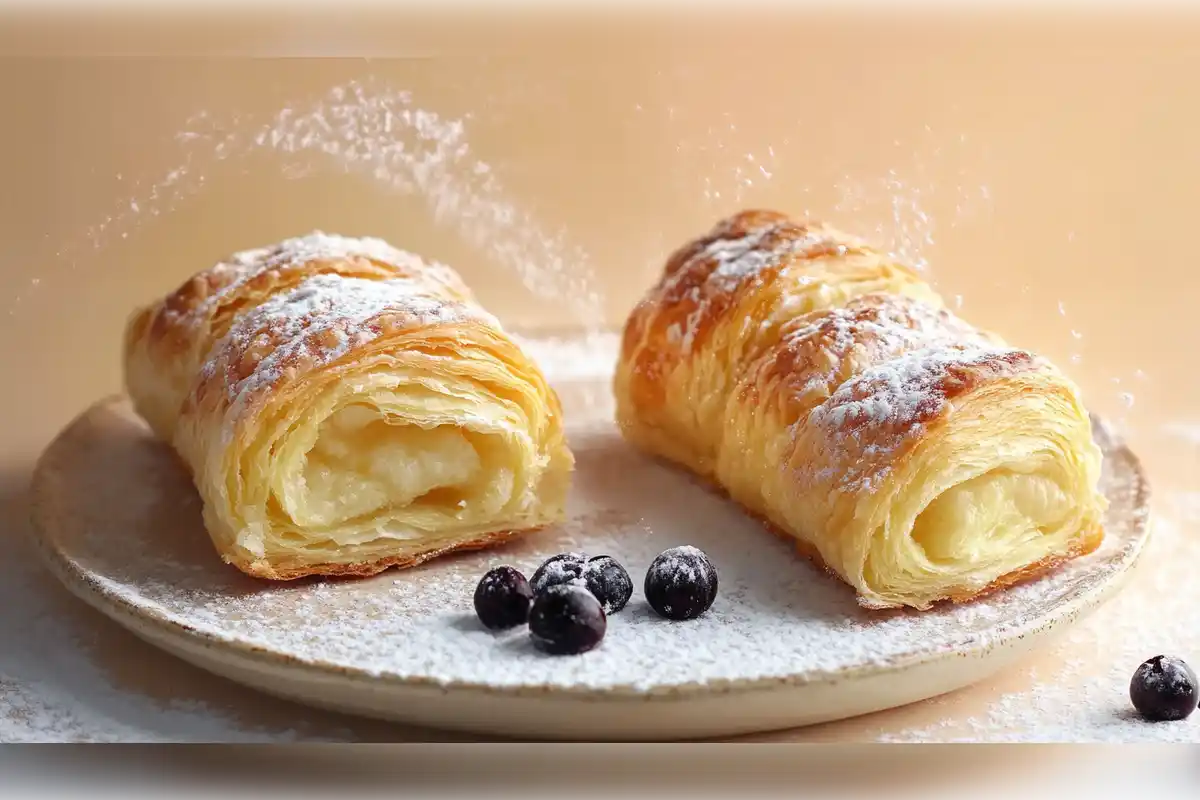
[{"x": 784, "y": 645}]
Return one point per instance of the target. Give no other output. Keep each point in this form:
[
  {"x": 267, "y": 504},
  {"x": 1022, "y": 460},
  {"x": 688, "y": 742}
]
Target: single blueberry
[
  {"x": 609, "y": 582},
  {"x": 562, "y": 568},
  {"x": 566, "y": 619},
  {"x": 681, "y": 583},
  {"x": 502, "y": 598},
  {"x": 1164, "y": 689}
]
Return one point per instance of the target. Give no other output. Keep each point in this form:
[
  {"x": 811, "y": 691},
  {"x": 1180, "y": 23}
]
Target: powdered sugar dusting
[
  {"x": 58, "y": 682},
  {"x": 737, "y": 256},
  {"x": 743, "y": 256},
  {"x": 320, "y": 246},
  {"x": 887, "y": 406},
  {"x": 682, "y": 565},
  {"x": 872, "y": 329},
  {"x": 315, "y": 324},
  {"x": 776, "y": 616},
  {"x": 568, "y": 569},
  {"x": 225, "y": 279}
]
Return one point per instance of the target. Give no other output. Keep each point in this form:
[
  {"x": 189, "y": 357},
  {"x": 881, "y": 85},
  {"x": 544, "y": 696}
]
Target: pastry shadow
[
  {"x": 465, "y": 622},
  {"x": 520, "y": 643}
]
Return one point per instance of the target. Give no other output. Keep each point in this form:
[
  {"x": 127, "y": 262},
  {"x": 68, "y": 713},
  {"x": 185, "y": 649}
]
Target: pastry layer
[
  {"x": 825, "y": 387},
  {"x": 345, "y": 407}
]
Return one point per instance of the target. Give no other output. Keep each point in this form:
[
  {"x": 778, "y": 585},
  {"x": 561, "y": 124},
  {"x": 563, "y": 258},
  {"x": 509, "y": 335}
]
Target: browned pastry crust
[
  {"x": 344, "y": 407},
  {"x": 167, "y": 341},
  {"x": 825, "y": 388}
]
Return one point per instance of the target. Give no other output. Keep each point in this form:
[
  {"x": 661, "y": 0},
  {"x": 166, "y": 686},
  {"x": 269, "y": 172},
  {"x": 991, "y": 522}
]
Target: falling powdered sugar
[
  {"x": 373, "y": 130},
  {"x": 899, "y": 201}
]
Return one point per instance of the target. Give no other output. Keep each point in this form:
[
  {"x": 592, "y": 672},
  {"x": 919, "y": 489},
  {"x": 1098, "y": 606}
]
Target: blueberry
[
  {"x": 609, "y": 582},
  {"x": 681, "y": 583},
  {"x": 566, "y": 619},
  {"x": 562, "y": 568},
  {"x": 502, "y": 598},
  {"x": 1164, "y": 689}
]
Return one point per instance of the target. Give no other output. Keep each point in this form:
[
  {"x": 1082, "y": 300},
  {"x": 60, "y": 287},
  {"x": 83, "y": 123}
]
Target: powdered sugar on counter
[{"x": 572, "y": 358}]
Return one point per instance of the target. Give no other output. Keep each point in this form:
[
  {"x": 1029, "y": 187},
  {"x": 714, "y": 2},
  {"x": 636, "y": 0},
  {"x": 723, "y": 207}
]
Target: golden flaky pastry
[
  {"x": 344, "y": 407},
  {"x": 826, "y": 389}
]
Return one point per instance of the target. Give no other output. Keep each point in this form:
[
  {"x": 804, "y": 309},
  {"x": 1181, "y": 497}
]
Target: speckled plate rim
[{"x": 135, "y": 617}]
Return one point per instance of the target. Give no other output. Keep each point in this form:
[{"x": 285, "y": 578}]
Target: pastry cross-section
[{"x": 345, "y": 406}]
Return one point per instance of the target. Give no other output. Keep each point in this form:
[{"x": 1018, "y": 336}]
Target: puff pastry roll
[
  {"x": 827, "y": 390},
  {"x": 345, "y": 407}
]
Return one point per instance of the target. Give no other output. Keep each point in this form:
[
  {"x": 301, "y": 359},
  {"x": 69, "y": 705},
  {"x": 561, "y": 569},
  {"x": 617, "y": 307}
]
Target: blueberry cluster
[
  {"x": 1164, "y": 689},
  {"x": 568, "y": 600}
]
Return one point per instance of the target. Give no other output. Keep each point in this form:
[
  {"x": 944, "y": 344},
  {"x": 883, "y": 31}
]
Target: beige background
[{"x": 1047, "y": 169}]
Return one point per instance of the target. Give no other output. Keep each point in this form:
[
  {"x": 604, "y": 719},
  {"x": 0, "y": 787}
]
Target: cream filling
[
  {"x": 393, "y": 458},
  {"x": 360, "y": 464},
  {"x": 971, "y": 534},
  {"x": 995, "y": 522},
  {"x": 995, "y": 498}
]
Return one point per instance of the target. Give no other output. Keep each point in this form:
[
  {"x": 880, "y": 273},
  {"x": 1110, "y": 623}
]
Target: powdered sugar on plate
[{"x": 776, "y": 617}]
